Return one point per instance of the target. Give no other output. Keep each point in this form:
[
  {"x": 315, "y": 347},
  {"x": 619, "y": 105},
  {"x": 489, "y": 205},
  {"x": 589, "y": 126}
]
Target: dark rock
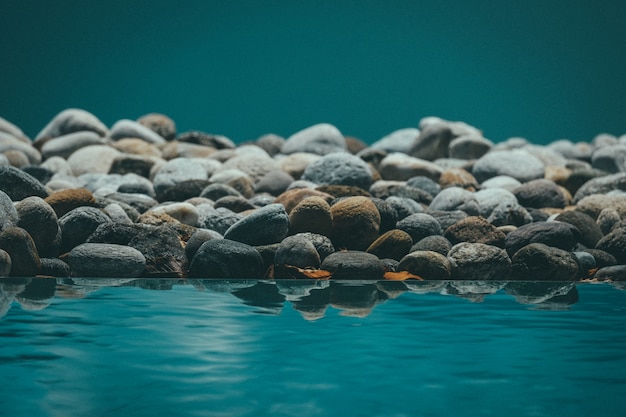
[
  {"x": 388, "y": 215},
  {"x": 339, "y": 169},
  {"x": 509, "y": 214},
  {"x": 39, "y": 219},
  {"x": 539, "y": 262},
  {"x": 291, "y": 198},
  {"x": 216, "y": 191},
  {"x": 611, "y": 273},
  {"x": 18, "y": 185},
  {"x": 25, "y": 261},
  {"x": 64, "y": 201},
  {"x": 266, "y": 225},
  {"x": 404, "y": 207},
  {"x": 601, "y": 185},
  {"x": 393, "y": 244},
  {"x": 180, "y": 179},
  {"x": 311, "y": 215},
  {"x": 590, "y": 232},
  {"x": 320, "y": 139},
  {"x": 479, "y": 262},
  {"x": 384, "y": 189},
  {"x": 268, "y": 253},
  {"x": 8, "y": 213},
  {"x": 197, "y": 239},
  {"x": 41, "y": 174},
  {"x": 54, "y": 267},
  {"x": 136, "y": 164},
  {"x": 432, "y": 142},
  {"x": 420, "y": 225},
  {"x": 426, "y": 264},
  {"x": 615, "y": 244},
  {"x": 586, "y": 264},
  {"x": 104, "y": 260},
  {"x": 130, "y": 129},
  {"x": 435, "y": 243},
  {"x": 557, "y": 234},
  {"x": 356, "y": 223},
  {"x": 138, "y": 201},
  {"x": 323, "y": 244},
  {"x": 224, "y": 258},
  {"x": 602, "y": 258},
  {"x": 297, "y": 251},
  {"x": 79, "y": 224},
  {"x": 163, "y": 252},
  {"x": 475, "y": 229},
  {"x": 469, "y": 147},
  {"x": 354, "y": 265},
  {"x": 540, "y": 194},
  {"x": 425, "y": 184},
  {"x": 217, "y": 219},
  {"x": 234, "y": 203},
  {"x": 115, "y": 233},
  {"x": 538, "y": 215},
  {"x": 5, "y": 263}
]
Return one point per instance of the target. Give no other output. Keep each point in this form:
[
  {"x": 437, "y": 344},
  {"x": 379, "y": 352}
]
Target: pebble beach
[{"x": 438, "y": 201}]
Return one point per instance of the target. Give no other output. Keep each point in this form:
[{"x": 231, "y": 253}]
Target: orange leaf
[{"x": 401, "y": 276}]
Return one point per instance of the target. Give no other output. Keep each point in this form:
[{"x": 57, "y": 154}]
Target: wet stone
[
  {"x": 539, "y": 262},
  {"x": 475, "y": 229},
  {"x": 590, "y": 232},
  {"x": 419, "y": 226},
  {"x": 540, "y": 194},
  {"x": 602, "y": 258},
  {"x": 79, "y": 224},
  {"x": 225, "y": 259},
  {"x": 435, "y": 243},
  {"x": 234, "y": 203},
  {"x": 354, "y": 265},
  {"x": 54, "y": 267},
  {"x": 615, "y": 244},
  {"x": 611, "y": 273},
  {"x": 356, "y": 223},
  {"x": 479, "y": 262},
  {"x": 393, "y": 244},
  {"x": 429, "y": 265},
  {"x": 455, "y": 198},
  {"x": 297, "y": 251},
  {"x": 5, "y": 263},
  {"x": 339, "y": 169},
  {"x": 18, "y": 185},
  {"x": 557, "y": 234},
  {"x": 266, "y": 225},
  {"x": 103, "y": 260},
  {"x": 197, "y": 239},
  {"x": 39, "y": 219},
  {"x": 311, "y": 215}
]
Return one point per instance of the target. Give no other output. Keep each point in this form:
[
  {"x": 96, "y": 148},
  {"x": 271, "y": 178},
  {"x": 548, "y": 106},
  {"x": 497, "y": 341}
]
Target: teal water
[
  {"x": 542, "y": 70},
  {"x": 214, "y": 348}
]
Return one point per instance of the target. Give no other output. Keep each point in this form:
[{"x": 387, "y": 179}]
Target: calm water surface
[{"x": 217, "y": 348}]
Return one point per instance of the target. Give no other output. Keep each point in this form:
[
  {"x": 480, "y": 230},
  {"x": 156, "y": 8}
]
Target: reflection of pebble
[{"x": 313, "y": 200}]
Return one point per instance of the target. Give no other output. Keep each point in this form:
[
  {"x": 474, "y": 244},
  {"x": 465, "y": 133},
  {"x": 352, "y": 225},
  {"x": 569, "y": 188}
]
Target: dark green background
[{"x": 540, "y": 69}]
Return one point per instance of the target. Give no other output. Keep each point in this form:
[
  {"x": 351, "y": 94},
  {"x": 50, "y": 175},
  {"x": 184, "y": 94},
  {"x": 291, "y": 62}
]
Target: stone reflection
[{"x": 311, "y": 298}]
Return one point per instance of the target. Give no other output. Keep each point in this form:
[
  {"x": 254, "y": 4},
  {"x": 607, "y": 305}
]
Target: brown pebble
[
  {"x": 475, "y": 229},
  {"x": 64, "y": 201},
  {"x": 311, "y": 215},
  {"x": 356, "y": 222},
  {"x": 393, "y": 244}
]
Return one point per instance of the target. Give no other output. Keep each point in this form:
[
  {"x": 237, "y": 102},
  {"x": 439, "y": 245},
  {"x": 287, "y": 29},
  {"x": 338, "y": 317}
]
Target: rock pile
[{"x": 437, "y": 202}]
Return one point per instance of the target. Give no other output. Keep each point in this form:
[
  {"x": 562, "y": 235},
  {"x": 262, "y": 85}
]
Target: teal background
[{"x": 544, "y": 70}]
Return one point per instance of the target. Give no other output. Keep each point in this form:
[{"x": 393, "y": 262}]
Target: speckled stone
[
  {"x": 297, "y": 251},
  {"x": 39, "y": 219},
  {"x": 557, "y": 234},
  {"x": 8, "y": 213},
  {"x": 539, "y": 262},
  {"x": 420, "y": 225},
  {"x": 435, "y": 243},
  {"x": 490, "y": 198},
  {"x": 320, "y": 139},
  {"x": 311, "y": 215},
  {"x": 237, "y": 204},
  {"x": 54, "y": 267},
  {"x": 475, "y": 229},
  {"x": 219, "y": 219},
  {"x": 455, "y": 198},
  {"x": 216, "y": 191},
  {"x": 135, "y": 146},
  {"x": 20, "y": 247},
  {"x": 616, "y": 273},
  {"x": 607, "y": 220},
  {"x": 165, "y": 259},
  {"x": 183, "y": 212},
  {"x": 106, "y": 261},
  {"x": 354, "y": 265},
  {"x": 540, "y": 194},
  {"x": 225, "y": 259},
  {"x": 448, "y": 218},
  {"x": 206, "y": 139},
  {"x": 197, "y": 239},
  {"x": 615, "y": 244},
  {"x": 610, "y": 159},
  {"x": 179, "y": 179},
  {"x": 18, "y": 185},
  {"x": 479, "y": 262},
  {"x": 339, "y": 168},
  {"x": 356, "y": 223},
  {"x": 509, "y": 214},
  {"x": 393, "y": 244},
  {"x": 427, "y": 264}
]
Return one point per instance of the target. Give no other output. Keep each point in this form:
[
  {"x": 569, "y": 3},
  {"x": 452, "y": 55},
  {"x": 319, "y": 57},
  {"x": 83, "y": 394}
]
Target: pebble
[
  {"x": 611, "y": 273},
  {"x": 458, "y": 177},
  {"x": 8, "y": 213},
  {"x": 388, "y": 214},
  {"x": 607, "y": 220},
  {"x": 312, "y": 214},
  {"x": 540, "y": 194},
  {"x": 18, "y": 185},
  {"x": 354, "y": 265},
  {"x": 557, "y": 234},
  {"x": 601, "y": 185},
  {"x": 92, "y": 159},
  {"x": 479, "y": 262},
  {"x": 70, "y": 121},
  {"x": 490, "y": 198},
  {"x": 54, "y": 267},
  {"x": 428, "y": 265},
  {"x": 266, "y": 225},
  {"x": 64, "y": 201},
  {"x": 400, "y": 140},
  {"x": 393, "y": 244},
  {"x": 183, "y": 212},
  {"x": 237, "y": 204},
  {"x": 475, "y": 229},
  {"x": 595, "y": 204},
  {"x": 206, "y": 139},
  {"x": 5, "y": 263},
  {"x": 516, "y": 163},
  {"x": 339, "y": 169},
  {"x": 226, "y": 259},
  {"x": 455, "y": 198},
  {"x": 509, "y": 214},
  {"x": 270, "y": 143},
  {"x": 419, "y": 226},
  {"x": 160, "y": 124},
  {"x": 615, "y": 244},
  {"x": 126, "y": 128},
  {"x": 64, "y": 146},
  {"x": 590, "y": 232},
  {"x": 217, "y": 219},
  {"x": 105, "y": 260},
  {"x": 320, "y": 139},
  {"x": 540, "y": 262},
  {"x": 297, "y": 251},
  {"x": 432, "y": 142},
  {"x": 356, "y": 223},
  {"x": 78, "y": 224},
  {"x": 384, "y": 189},
  {"x": 610, "y": 159},
  {"x": 501, "y": 181},
  {"x": 274, "y": 182},
  {"x": 39, "y": 219},
  {"x": 469, "y": 147},
  {"x": 20, "y": 247},
  {"x": 180, "y": 179},
  {"x": 425, "y": 184},
  {"x": 435, "y": 243},
  {"x": 168, "y": 258}
]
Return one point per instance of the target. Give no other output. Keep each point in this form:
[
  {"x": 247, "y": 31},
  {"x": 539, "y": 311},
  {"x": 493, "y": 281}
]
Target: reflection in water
[{"x": 311, "y": 298}]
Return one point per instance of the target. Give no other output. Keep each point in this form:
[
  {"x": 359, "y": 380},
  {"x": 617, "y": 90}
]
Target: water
[{"x": 218, "y": 348}]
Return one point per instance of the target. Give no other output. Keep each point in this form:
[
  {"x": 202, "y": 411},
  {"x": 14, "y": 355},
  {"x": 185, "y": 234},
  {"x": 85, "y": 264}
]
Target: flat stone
[
  {"x": 539, "y": 262},
  {"x": 400, "y": 140},
  {"x": 64, "y": 146},
  {"x": 354, "y": 265},
  {"x": 428, "y": 265},
  {"x": 226, "y": 259},
  {"x": 104, "y": 260},
  {"x": 540, "y": 194},
  {"x": 39, "y": 219},
  {"x": 18, "y": 185},
  {"x": 266, "y": 225},
  {"x": 393, "y": 244},
  {"x": 469, "y": 147},
  {"x": 356, "y": 223},
  {"x": 557, "y": 234},
  {"x": 320, "y": 139},
  {"x": 590, "y": 232},
  {"x": 475, "y": 229},
  {"x": 479, "y": 262},
  {"x": 19, "y": 245},
  {"x": 455, "y": 198},
  {"x": 517, "y": 163},
  {"x": 70, "y": 121},
  {"x": 130, "y": 129}
]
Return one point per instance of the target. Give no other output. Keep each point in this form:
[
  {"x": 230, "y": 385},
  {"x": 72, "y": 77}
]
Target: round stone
[
  {"x": 8, "y": 213},
  {"x": 475, "y": 229},
  {"x": 356, "y": 223},
  {"x": 455, "y": 198},
  {"x": 104, "y": 260},
  {"x": 428, "y": 265},
  {"x": 297, "y": 251},
  {"x": 291, "y": 198},
  {"x": 339, "y": 169},
  {"x": 393, "y": 244},
  {"x": 419, "y": 225},
  {"x": 320, "y": 139},
  {"x": 311, "y": 215},
  {"x": 226, "y": 259},
  {"x": 354, "y": 265},
  {"x": 266, "y": 225},
  {"x": 39, "y": 219},
  {"x": 18, "y": 185},
  {"x": 469, "y": 147},
  {"x": 400, "y": 140},
  {"x": 590, "y": 232},
  {"x": 18, "y": 243},
  {"x": 540, "y": 194},
  {"x": 435, "y": 243},
  {"x": 78, "y": 224},
  {"x": 615, "y": 244},
  {"x": 539, "y": 262},
  {"x": 479, "y": 262},
  {"x": 92, "y": 159}
]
